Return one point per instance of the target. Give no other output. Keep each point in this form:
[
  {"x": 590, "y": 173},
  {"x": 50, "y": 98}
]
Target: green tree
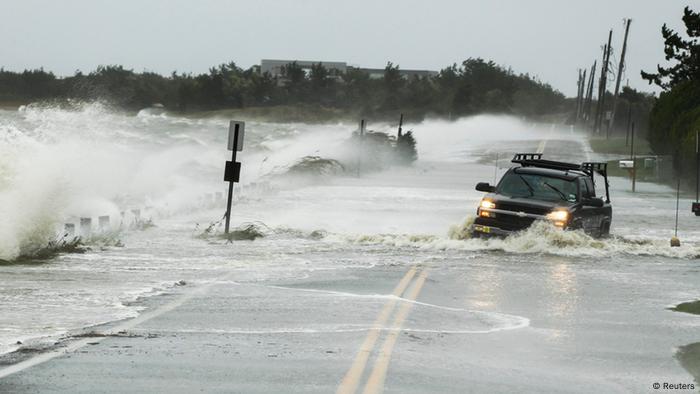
[
  {"x": 675, "y": 117},
  {"x": 295, "y": 83},
  {"x": 684, "y": 52},
  {"x": 393, "y": 84}
]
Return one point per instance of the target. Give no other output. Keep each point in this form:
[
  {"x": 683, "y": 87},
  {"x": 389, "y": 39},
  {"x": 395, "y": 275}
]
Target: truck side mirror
[
  {"x": 594, "y": 202},
  {"x": 485, "y": 187}
]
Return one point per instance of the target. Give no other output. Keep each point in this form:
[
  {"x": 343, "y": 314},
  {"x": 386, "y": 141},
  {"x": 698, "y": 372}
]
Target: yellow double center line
[{"x": 375, "y": 382}]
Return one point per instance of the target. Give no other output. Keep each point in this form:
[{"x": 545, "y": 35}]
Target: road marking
[
  {"x": 352, "y": 378},
  {"x": 375, "y": 382},
  {"x": 540, "y": 148},
  {"x": 543, "y": 143}
]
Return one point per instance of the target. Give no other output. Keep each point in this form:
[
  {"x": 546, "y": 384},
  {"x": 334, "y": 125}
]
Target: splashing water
[
  {"x": 541, "y": 238},
  {"x": 57, "y": 165}
]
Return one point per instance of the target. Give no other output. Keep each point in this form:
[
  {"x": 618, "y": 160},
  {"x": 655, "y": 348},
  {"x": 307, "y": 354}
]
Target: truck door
[{"x": 591, "y": 216}]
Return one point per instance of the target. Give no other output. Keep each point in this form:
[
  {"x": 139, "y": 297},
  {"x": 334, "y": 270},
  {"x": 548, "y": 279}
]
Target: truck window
[
  {"x": 538, "y": 187},
  {"x": 583, "y": 186},
  {"x": 590, "y": 186}
]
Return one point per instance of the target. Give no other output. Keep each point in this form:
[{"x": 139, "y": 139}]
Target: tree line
[
  {"x": 675, "y": 117},
  {"x": 474, "y": 86}
]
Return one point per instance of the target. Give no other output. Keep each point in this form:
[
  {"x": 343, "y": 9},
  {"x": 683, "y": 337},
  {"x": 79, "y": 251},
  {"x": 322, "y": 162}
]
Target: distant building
[
  {"x": 274, "y": 68},
  {"x": 377, "y": 73}
]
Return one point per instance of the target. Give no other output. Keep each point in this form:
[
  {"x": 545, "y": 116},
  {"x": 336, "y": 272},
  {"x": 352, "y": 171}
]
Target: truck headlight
[
  {"x": 558, "y": 217},
  {"x": 487, "y": 204}
]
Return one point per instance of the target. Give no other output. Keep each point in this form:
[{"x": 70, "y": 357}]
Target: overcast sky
[{"x": 547, "y": 38}]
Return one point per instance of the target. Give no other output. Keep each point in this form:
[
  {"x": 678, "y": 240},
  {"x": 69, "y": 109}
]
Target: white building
[{"x": 274, "y": 67}]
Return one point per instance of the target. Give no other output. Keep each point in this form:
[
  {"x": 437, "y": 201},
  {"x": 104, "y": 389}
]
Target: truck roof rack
[
  {"x": 599, "y": 167},
  {"x": 588, "y": 168},
  {"x": 535, "y": 160}
]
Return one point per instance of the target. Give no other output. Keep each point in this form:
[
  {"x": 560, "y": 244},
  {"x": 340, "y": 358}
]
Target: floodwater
[{"x": 58, "y": 165}]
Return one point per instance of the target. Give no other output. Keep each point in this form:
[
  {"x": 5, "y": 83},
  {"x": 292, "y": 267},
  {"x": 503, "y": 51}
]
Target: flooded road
[{"x": 360, "y": 283}]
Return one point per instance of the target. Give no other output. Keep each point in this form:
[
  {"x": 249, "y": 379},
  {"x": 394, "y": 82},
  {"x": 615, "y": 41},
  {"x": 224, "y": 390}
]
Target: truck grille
[
  {"x": 513, "y": 223},
  {"x": 519, "y": 208}
]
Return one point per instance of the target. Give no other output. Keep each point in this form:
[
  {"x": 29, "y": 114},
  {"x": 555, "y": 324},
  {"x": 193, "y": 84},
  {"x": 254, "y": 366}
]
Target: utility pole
[
  {"x": 578, "y": 95},
  {"x": 620, "y": 68},
  {"x": 583, "y": 93},
  {"x": 600, "y": 90},
  {"x": 400, "y": 125},
  {"x": 603, "y": 83},
  {"x": 589, "y": 95}
]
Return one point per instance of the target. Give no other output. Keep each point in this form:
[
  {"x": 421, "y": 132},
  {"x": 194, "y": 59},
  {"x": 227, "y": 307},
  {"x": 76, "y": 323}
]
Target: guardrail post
[
  {"x": 103, "y": 223},
  {"x": 85, "y": 227}
]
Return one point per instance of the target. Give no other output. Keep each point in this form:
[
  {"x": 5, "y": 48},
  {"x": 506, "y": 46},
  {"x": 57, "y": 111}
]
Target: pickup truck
[{"x": 562, "y": 193}]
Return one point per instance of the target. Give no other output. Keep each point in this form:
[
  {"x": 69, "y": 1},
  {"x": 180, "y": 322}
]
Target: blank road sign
[
  {"x": 232, "y": 127},
  {"x": 232, "y": 172}
]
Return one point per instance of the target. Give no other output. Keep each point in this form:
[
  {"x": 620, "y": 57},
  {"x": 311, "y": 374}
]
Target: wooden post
[
  {"x": 104, "y": 223},
  {"x": 675, "y": 242},
  {"x": 629, "y": 122},
  {"x": 620, "y": 68},
  {"x": 495, "y": 169},
  {"x": 359, "y": 149},
  {"x": 697, "y": 166},
  {"x": 400, "y": 124},
  {"x": 85, "y": 227},
  {"x": 634, "y": 162}
]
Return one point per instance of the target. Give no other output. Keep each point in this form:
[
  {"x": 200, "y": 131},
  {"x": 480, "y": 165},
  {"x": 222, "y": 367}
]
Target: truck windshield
[{"x": 539, "y": 187}]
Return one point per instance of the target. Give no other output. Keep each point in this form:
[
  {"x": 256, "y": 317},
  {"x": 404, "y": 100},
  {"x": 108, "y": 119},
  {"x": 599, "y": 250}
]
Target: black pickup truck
[{"x": 537, "y": 189}]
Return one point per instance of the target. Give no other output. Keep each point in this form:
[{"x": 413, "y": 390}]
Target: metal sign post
[
  {"x": 675, "y": 242},
  {"x": 400, "y": 124},
  {"x": 232, "y": 172},
  {"x": 696, "y": 204}
]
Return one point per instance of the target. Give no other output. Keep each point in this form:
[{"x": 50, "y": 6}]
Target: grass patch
[
  {"x": 50, "y": 250},
  {"x": 12, "y": 105},
  {"x": 643, "y": 173},
  {"x": 688, "y": 307},
  {"x": 616, "y": 146},
  {"x": 246, "y": 232}
]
